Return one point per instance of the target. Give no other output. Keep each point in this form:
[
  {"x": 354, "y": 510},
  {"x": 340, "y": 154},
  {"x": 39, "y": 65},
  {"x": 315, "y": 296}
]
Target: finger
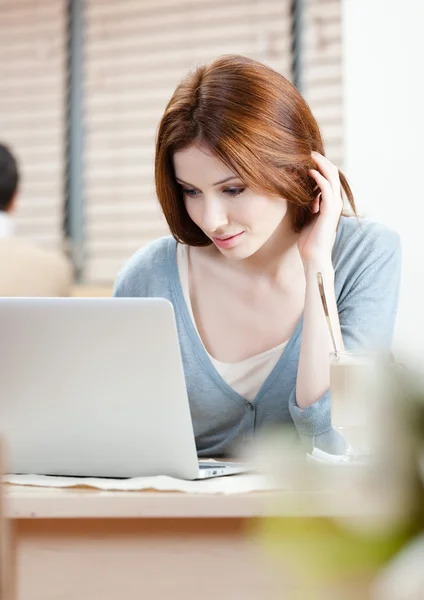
[
  {"x": 322, "y": 182},
  {"x": 327, "y": 169},
  {"x": 329, "y": 199},
  {"x": 315, "y": 206}
]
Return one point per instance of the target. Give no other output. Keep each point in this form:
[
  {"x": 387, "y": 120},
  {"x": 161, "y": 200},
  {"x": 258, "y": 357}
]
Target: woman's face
[{"x": 237, "y": 220}]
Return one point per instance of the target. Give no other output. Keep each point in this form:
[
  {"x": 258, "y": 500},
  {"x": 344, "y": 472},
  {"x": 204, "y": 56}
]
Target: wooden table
[
  {"x": 79, "y": 544},
  {"x": 85, "y": 544}
]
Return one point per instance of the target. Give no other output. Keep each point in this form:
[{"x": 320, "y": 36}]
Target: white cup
[{"x": 357, "y": 384}]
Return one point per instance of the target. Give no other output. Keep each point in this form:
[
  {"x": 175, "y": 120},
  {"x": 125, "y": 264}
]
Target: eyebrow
[{"x": 217, "y": 183}]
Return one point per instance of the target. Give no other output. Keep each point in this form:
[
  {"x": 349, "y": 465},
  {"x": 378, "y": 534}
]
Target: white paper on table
[{"x": 242, "y": 483}]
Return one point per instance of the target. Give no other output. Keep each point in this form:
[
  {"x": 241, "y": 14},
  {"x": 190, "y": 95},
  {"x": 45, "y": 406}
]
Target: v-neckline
[{"x": 200, "y": 350}]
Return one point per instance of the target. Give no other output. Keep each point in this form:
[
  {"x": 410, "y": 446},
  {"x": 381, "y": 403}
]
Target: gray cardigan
[{"x": 367, "y": 259}]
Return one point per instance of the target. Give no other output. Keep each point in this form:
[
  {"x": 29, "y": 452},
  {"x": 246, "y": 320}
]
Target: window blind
[
  {"x": 322, "y": 71},
  {"x": 135, "y": 55},
  {"x": 32, "y": 111}
]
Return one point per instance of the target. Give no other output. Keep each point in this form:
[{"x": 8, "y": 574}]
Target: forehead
[{"x": 199, "y": 166}]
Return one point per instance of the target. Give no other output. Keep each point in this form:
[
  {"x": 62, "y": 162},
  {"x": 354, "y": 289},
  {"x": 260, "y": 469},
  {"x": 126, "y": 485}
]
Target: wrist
[{"x": 319, "y": 266}]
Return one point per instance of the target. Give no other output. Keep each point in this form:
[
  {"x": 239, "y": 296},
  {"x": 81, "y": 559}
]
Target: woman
[{"x": 255, "y": 212}]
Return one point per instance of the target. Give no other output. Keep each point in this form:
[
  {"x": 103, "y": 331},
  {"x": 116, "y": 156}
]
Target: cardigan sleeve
[{"x": 367, "y": 312}]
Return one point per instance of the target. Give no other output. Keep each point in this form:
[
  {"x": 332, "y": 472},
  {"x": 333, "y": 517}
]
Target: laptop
[{"x": 95, "y": 387}]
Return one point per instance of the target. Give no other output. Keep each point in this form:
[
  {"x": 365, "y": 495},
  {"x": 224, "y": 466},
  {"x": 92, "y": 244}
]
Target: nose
[{"x": 214, "y": 214}]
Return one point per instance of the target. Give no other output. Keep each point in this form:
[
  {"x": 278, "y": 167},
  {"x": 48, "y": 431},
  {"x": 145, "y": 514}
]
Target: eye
[
  {"x": 234, "y": 191},
  {"x": 189, "y": 192}
]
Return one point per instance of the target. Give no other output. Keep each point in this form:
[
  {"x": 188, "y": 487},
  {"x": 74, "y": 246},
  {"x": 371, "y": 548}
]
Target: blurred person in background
[
  {"x": 25, "y": 268},
  {"x": 256, "y": 211}
]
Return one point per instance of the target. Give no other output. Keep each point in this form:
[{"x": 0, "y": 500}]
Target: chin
[{"x": 240, "y": 252}]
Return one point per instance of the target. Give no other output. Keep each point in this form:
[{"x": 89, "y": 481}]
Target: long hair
[{"x": 256, "y": 122}]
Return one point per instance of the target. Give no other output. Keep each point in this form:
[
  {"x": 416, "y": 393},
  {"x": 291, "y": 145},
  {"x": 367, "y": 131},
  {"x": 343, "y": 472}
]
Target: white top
[
  {"x": 6, "y": 225},
  {"x": 247, "y": 376}
]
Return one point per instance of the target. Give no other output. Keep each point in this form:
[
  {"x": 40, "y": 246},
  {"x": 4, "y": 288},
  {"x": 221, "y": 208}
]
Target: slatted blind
[
  {"x": 136, "y": 53},
  {"x": 32, "y": 110},
  {"x": 322, "y": 71}
]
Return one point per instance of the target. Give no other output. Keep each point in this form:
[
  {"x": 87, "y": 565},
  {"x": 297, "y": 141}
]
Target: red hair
[{"x": 256, "y": 122}]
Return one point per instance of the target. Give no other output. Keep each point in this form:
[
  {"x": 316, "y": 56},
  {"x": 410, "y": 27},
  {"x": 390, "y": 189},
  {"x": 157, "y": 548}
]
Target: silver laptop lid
[{"x": 94, "y": 386}]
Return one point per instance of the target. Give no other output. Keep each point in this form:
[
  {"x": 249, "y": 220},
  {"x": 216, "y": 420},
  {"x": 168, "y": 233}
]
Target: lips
[
  {"x": 228, "y": 241},
  {"x": 227, "y": 237}
]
